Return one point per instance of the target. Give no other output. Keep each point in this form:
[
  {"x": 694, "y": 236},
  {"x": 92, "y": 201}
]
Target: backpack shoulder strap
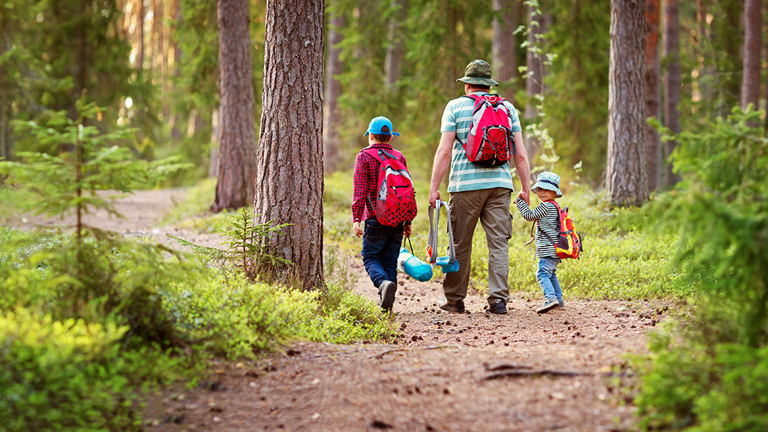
[
  {"x": 374, "y": 152},
  {"x": 560, "y": 220},
  {"x": 392, "y": 154}
]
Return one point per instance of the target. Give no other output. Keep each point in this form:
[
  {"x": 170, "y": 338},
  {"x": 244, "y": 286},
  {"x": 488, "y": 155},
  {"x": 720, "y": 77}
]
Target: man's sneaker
[
  {"x": 498, "y": 307},
  {"x": 561, "y": 303},
  {"x": 387, "y": 294},
  {"x": 548, "y": 306},
  {"x": 457, "y": 307}
]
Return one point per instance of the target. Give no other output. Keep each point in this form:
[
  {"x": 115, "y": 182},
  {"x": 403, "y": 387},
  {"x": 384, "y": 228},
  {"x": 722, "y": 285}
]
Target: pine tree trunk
[
  {"x": 652, "y": 14},
  {"x": 394, "y": 56},
  {"x": 671, "y": 84},
  {"x": 237, "y": 149},
  {"x": 140, "y": 37},
  {"x": 626, "y": 177},
  {"x": 175, "y": 131},
  {"x": 81, "y": 80},
  {"x": 504, "y": 41},
  {"x": 534, "y": 83},
  {"x": 290, "y": 151},
  {"x": 750, "y": 81},
  {"x": 215, "y": 143},
  {"x": 5, "y": 130},
  {"x": 5, "y": 100},
  {"x": 331, "y": 118}
]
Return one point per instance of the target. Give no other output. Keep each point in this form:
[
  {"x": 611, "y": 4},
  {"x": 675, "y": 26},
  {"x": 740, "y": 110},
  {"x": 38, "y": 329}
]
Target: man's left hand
[
  {"x": 525, "y": 196},
  {"x": 407, "y": 230}
]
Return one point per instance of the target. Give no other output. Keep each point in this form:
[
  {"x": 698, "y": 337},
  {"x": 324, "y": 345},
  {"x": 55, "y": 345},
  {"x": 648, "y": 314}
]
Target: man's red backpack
[
  {"x": 395, "y": 201},
  {"x": 490, "y": 141},
  {"x": 568, "y": 243}
]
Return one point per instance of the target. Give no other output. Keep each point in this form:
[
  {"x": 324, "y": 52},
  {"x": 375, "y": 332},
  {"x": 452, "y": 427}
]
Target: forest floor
[{"x": 446, "y": 372}]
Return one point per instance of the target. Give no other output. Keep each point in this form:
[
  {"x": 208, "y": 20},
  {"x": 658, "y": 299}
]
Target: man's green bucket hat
[{"x": 478, "y": 72}]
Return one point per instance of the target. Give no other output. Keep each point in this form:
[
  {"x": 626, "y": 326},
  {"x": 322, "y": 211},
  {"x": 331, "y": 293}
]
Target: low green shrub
[
  {"x": 708, "y": 372},
  {"x": 71, "y": 375},
  {"x": 692, "y": 380},
  {"x": 102, "y": 279}
]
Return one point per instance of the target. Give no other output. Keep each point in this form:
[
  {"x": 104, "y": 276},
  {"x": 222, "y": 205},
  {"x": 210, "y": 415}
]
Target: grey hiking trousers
[{"x": 491, "y": 206}]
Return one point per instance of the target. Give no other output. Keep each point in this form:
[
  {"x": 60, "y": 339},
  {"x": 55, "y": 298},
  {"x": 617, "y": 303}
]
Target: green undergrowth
[
  {"x": 626, "y": 256},
  {"x": 708, "y": 369},
  {"x": 86, "y": 329}
]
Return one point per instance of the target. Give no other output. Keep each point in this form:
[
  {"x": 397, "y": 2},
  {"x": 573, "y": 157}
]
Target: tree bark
[
  {"x": 290, "y": 153},
  {"x": 534, "y": 83},
  {"x": 5, "y": 130},
  {"x": 213, "y": 162},
  {"x": 394, "y": 56},
  {"x": 331, "y": 118},
  {"x": 750, "y": 81},
  {"x": 235, "y": 185},
  {"x": 671, "y": 84},
  {"x": 652, "y": 14},
  {"x": 626, "y": 177},
  {"x": 504, "y": 40},
  {"x": 140, "y": 28},
  {"x": 5, "y": 96},
  {"x": 534, "y": 61}
]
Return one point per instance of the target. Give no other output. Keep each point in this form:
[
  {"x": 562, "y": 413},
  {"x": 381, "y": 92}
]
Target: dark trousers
[{"x": 381, "y": 246}]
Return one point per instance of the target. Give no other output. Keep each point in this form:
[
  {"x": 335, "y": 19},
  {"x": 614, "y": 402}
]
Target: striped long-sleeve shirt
[{"x": 547, "y": 226}]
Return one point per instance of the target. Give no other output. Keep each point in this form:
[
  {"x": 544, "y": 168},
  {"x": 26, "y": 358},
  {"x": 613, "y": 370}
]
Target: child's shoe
[
  {"x": 387, "y": 294},
  {"x": 548, "y": 305}
]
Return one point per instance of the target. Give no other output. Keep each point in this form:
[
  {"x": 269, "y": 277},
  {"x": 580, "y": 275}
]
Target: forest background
[{"x": 153, "y": 66}]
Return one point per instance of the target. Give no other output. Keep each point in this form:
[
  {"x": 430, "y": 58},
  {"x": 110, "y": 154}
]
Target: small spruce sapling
[
  {"x": 90, "y": 171},
  {"x": 90, "y": 161},
  {"x": 245, "y": 249}
]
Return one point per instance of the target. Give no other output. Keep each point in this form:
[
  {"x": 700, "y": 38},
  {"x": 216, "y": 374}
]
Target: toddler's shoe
[
  {"x": 387, "y": 291},
  {"x": 548, "y": 305}
]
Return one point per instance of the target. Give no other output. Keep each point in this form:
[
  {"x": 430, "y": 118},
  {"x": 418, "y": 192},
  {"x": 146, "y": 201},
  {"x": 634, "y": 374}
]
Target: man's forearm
[
  {"x": 522, "y": 165},
  {"x": 442, "y": 160}
]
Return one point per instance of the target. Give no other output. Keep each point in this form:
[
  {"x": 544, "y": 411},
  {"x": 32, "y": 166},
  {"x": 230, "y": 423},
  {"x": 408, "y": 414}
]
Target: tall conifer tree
[
  {"x": 626, "y": 176},
  {"x": 290, "y": 153},
  {"x": 237, "y": 150}
]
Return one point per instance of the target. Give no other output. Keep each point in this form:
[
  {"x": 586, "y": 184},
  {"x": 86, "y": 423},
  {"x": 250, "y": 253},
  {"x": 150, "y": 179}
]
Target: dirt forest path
[{"x": 446, "y": 372}]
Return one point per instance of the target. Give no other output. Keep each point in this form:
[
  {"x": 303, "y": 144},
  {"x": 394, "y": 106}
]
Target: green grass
[{"x": 625, "y": 257}]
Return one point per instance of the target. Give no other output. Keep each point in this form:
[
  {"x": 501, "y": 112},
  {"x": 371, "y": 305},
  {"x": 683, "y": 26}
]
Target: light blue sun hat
[{"x": 548, "y": 181}]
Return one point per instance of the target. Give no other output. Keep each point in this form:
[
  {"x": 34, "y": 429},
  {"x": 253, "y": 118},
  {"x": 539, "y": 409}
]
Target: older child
[
  {"x": 547, "y": 188},
  {"x": 381, "y": 243}
]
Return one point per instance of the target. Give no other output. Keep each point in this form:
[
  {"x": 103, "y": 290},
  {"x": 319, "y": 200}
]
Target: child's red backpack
[
  {"x": 568, "y": 241},
  {"x": 395, "y": 201},
  {"x": 490, "y": 141}
]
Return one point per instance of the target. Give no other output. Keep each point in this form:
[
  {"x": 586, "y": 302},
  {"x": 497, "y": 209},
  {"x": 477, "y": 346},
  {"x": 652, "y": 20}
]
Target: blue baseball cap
[{"x": 377, "y": 126}]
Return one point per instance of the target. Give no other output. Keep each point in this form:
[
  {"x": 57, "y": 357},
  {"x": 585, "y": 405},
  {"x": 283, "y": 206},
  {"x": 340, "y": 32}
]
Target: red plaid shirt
[{"x": 365, "y": 180}]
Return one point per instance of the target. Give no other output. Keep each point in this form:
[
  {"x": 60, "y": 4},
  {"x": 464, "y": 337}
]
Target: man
[{"x": 477, "y": 193}]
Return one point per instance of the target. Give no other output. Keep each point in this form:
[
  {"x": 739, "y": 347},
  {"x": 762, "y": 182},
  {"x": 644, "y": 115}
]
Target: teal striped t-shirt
[{"x": 466, "y": 176}]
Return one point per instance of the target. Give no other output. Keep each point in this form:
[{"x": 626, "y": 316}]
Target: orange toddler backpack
[{"x": 568, "y": 243}]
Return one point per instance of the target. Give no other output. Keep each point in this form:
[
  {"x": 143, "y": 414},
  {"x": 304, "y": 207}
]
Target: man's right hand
[{"x": 434, "y": 195}]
